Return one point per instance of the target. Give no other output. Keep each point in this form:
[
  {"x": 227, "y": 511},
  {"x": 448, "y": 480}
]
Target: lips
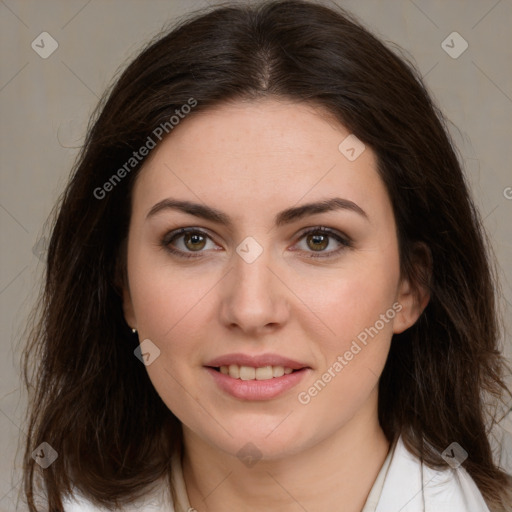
[{"x": 260, "y": 377}]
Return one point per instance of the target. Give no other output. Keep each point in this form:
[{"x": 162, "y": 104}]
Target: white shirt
[{"x": 403, "y": 484}]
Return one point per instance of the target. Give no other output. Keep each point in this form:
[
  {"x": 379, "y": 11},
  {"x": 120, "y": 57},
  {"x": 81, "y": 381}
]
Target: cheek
[
  {"x": 166, "y": 298},
  {"x": 350, "y": 302},
  {"x": 356, "y": 330},
  {"x": 172, "y": 312}
]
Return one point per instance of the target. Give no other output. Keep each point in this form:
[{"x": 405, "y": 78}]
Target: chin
[{"x": 257, "y": 443}]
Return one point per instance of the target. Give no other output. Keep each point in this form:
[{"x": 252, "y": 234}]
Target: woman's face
[{"x": 258, "y": 298}]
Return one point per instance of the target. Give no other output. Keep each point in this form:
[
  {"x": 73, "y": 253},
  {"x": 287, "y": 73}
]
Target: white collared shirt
[{"x": 404, "y": 484}]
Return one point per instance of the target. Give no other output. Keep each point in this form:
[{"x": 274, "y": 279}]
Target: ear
[{"x": 414, "y": 292}]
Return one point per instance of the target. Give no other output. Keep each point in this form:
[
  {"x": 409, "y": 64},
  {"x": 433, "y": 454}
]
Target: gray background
[{"x": 46, "y": 103}]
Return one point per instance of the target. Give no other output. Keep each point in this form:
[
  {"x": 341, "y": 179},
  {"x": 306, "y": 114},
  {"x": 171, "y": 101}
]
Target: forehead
[{"x": 249, "y": 154}]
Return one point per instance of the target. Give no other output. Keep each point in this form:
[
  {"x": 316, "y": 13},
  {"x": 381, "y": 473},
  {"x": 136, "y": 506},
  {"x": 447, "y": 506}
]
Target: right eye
[{"x": 191, "y": 240}]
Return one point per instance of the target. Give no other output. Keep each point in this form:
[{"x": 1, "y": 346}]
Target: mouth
[{"x": 253, "y": 378}]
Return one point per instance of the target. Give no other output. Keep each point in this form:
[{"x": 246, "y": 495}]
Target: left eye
[{"x": 318, "y": 239}]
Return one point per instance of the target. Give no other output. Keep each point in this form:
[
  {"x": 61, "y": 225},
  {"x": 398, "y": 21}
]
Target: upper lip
[{"x": 256, "y": 361}]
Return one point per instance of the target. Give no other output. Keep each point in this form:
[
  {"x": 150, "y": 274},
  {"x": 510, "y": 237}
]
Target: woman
[{"x": 267, "y": 286}]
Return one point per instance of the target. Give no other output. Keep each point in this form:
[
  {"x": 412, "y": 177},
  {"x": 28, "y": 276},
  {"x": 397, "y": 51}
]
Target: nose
[{"x": 254, "y": 296}]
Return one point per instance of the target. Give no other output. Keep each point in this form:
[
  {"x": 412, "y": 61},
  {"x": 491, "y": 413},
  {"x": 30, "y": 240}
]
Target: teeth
[
  {"x": 264, "y": 373},
  {"x": 234, "y": 371},
  {"x": 250, "y": 373},
  {"x": 247, "y": 373},
  {"x": 277, "y": 371}
]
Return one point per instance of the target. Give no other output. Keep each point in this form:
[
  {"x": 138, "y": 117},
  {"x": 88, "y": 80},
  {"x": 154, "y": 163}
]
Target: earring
[{"x": 134, "y": 331}]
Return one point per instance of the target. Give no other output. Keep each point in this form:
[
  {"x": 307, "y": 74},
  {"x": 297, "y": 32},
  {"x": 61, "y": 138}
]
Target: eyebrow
[{"x": 284, "y": 217}]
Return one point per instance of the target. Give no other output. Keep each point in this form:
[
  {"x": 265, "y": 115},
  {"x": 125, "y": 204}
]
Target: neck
[{"x": 340, "y": 469}]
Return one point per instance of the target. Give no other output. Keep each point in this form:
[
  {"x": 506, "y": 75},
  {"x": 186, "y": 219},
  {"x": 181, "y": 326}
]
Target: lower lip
[{"x": 257, "y": 389}]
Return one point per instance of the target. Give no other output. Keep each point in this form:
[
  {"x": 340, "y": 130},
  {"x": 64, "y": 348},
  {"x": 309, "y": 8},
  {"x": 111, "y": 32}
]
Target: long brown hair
[{"x": 92, "y": 400}]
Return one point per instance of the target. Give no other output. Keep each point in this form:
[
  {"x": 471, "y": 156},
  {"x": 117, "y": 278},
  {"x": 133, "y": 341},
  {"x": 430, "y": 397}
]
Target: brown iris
[
  {"x": 318, "y": 239},
  {"x": 194, "y": 238}
]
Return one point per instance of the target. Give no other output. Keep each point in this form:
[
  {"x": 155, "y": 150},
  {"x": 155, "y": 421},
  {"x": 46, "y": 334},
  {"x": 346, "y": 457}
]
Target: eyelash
[{"x": 173, "y": 235}]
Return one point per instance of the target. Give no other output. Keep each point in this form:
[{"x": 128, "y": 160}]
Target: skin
[{"x": 251, "y": 160}]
